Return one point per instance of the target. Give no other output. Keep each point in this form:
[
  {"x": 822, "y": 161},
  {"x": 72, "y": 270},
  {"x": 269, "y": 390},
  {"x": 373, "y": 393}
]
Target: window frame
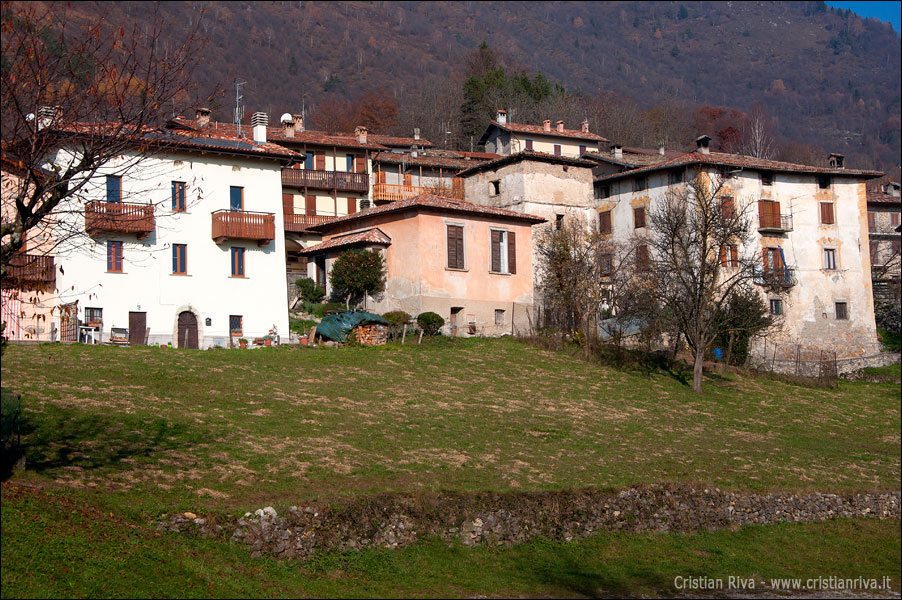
[
  {"x": 636, "y": 224},
  {"x": 114, "y": 256},
  {"x": 237, "y": 254},
  {"x": 767, "y": 178},
  {"x": 180, "y": 259},
  {"x": 845, "y": 311},
  {"x": 499, "y": 317},
  {"x": 93, "y": 316},
  {"x": 606, "y": 222},
  {"x": 824, "y": 182},
  {"x": 821, "y": 207},
  {"x": 239, "y": 331},
  {"x": 232, "y": 188},
  {"x": 460, "y": 251},
  {"x": 528, "y": 144},
  {"x": 830, "y": 259},
  {"x": 179, "y": 197},
  {"x": 504, "y": 267},
  {"x": 118, "y": 180},
  {"x": 778, "y": 304},
  {"x": 558, "y": 150},
  {"x": 640, "y": 183}
]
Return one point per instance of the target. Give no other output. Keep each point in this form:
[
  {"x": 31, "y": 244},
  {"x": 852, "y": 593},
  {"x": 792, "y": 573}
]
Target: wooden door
[
  {"x": 137, "y": 328},
  {"x": 69, "y": 322},
  {"x": 187, "y": 337}
]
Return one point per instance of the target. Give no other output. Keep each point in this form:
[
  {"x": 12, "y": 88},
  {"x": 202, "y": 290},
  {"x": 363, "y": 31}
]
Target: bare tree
[
  {"x": 700, "y": 252},
  {"x": 93, "y": 89},
  {"x": 756, "y": 136}
]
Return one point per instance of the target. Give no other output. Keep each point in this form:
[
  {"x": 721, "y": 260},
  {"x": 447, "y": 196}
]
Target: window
[
  {"x": 319, "y": 161},
  {"x": 236, "y": 199},
  {"x": 675, "y": 176},
  {"x": 504, "y": 252},
  {"x": 114, "y": 257},
  {"x": 827, "y": 213},
  {"x": 896, "y": 246},
  {"x": 582, "y": 149},
  {"x": 894, "y": 219},
  {"x": 823, "y": 182},
  {"x": 725, "y": 172},
  {"x": 842, "y": 311},
  {"x": 179, "y": 259},
  {"x": 639, "y": 217},
  {"x": 308, "y": 161},
  {"x": 455, "y": 247},
  {"x": 830, "y": 259},
  {"x": 875, "y": 253},
  {"x": 349, "y": 163},
  {"x": 236, "y": 325},
  {"x": 352, "y": 205},
  {"x": 639, "y": 184},
  {"x": 642, "y": 262},
  {"x": 727, "y": 207},
  {"x": 872, "y": 221},
  {"x": 499, "y": 317},
  {"x": 776, "y": 306},
  {"x": 602, "y": 192},
  {"x": 113, "y": 189},
  {"x": 729, "y": 255},
  {"x": 178, "y": 196},
  {"x": 604, "y": 223},
  {"x": 767, "y": 178},
  {"x": 606, "y": 263},
  {"x": 237, "y": 262},
  {"x": 557, "y": 149},
  {"x": 495, "y": 187},
  {"x": 558, "y": 222},
  {"x": 529, "y": 144},
  {"x": 93, "y": 316}
]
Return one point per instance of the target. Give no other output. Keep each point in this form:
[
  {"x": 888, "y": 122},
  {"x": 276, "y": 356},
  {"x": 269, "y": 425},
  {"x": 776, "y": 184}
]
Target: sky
[{"x": 885, "y": 11}]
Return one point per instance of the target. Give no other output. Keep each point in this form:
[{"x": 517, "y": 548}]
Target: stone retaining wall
[
  {"x": 814, "y": 368},
  {"x": 393, "y": 521}
]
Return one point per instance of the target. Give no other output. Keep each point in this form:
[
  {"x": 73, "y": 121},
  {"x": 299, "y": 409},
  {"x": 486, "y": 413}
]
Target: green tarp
[{"x": 337, "y": 327}]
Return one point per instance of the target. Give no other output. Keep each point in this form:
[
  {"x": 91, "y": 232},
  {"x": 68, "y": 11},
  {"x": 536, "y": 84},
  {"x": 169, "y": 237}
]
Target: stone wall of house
[{"x": 393, "y": 521}]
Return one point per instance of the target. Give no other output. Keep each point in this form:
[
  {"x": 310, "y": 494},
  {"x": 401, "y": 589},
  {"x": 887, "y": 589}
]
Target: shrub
[
  {"x": 357, "y": 273},
  {"x": 430, "y": 322},
  {"x": 308, "y": 290},
  {"x": 300, "y": 326},
  {"x": 396, "y": 318}
]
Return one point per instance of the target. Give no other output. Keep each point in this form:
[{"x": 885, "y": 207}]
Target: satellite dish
[{"x": 286, "y": 118}]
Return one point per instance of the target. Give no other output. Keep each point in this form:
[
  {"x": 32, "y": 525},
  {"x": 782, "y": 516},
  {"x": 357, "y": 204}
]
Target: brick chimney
[
  {"x": 298, "y": 122},
  {"x": 287, "y": 125},
  {"x": 661, "y": 149},
  {"x": 703, "y": 144},
  {"x": 202, "y": 116},
  {"x": 584, "y": 126},
  {"x": 546, "y": 124},
  {"x": 617, "y": 151},
  {"x": 560, "y": 126},
  {"x": 501, "y": 117},
  {"x": 836, "y": 161},
  {"x": 259, "y": 121},
  {"x": 360, "y": 134}
]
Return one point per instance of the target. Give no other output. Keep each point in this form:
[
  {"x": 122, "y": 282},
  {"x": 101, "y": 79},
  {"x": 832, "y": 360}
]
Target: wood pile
[{"x": 371, "y": 335}]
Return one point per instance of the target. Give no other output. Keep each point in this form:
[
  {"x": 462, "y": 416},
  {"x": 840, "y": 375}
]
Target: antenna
[{"x": 239, "y": 109}]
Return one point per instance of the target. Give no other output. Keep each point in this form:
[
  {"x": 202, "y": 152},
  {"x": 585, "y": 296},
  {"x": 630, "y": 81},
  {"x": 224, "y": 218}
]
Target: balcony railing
[
  {"x": 387, "y": 192},
  {"x": 240, "y": 225},
  {"x": 298, "y": 223},
  {"x": 326, "y": 180},
  {"x": 116, "y": 217},
  {"x": 782, "y": 277},
  {"x": 770, "y": 219},
  {"x": 31, "y": 269}
]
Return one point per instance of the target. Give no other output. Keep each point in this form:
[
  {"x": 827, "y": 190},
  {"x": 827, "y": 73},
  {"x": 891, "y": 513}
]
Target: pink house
[{"x": 471, "y": 264}]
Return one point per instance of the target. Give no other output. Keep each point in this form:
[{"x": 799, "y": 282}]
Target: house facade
[
  {"x": 505, "y": 138},
  {"x": 810, "y": 232},
  {"x": 471, "y": 264},
  {"x": 184, "y": 246},
  {"x": 884, "y": 210}
]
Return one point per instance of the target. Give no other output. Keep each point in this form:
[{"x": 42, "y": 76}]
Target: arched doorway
[{"x": 187, "y": 332}]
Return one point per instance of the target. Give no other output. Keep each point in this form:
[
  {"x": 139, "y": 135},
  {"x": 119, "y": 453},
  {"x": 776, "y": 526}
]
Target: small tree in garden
[
  {"x": 308, "y": 290},
  {"x": 356, "y": 274}
]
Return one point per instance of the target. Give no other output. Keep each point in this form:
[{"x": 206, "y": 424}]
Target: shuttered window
[
  {"x": 827, "y": 213},
  {"x": 830, "y": 259},
  {"x": 114, "y": 257},
  {"x": 529, "y": 144},
  {"x": 511, "y": 252},
  {"x": 320, "y": 161},
  {"x": 842, "y": 311},
  {"x": 455, "y": 247},
  {"x": 237, "y": 262},
  {"x": 496, "y": 251},
  {"x": 875, "y": 253},
  {"x": 604, "y": 223},
  {"x": 352, "y": 205},
  {"x": 894, "y": 219},
  {"x": 178, "y": 196},
  {"x": 179, "y": 259},
  {"x": 582, "y": 150},
  {"x": 727, "y": 207},
  {"x": 606, "y": 263},
  {"x": 310, "y": 205},
  {"x": 729, "y": 255},
  {"x": 872, "y": 221},
  {"x": 557, "y": 149},
  {"x": 360, "y": 164},
  {"x": 504, "y": 251}
]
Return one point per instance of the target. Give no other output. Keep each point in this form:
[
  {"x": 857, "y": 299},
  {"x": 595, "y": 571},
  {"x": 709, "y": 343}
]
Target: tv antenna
[{"x": 239, "y": 109}]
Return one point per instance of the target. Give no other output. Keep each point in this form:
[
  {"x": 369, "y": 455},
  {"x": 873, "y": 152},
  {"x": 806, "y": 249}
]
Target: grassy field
[{"x": 114, "y": 437}]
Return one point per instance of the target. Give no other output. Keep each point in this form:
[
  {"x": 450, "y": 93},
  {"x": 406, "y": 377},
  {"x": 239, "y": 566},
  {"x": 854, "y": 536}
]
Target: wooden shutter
[
  {"x": 728, "y": 207},
  {"x": 874, "y": 253},
  {"x": 287, "y": 204},
  {"x": 734, "y": 255},
  {"x": 310, "y": 205},
  {"x": 455, "y": 247},
  {"x": 604, "y": 222},
  {"x": 380, "y": 176},
  {"x": 872, "y": 222},
  {"x": 319, "y": 161},
  {"x": 511, "y": 252},
  {"x": 496, "y": 251},
  {"x": 639, "y": 215},
  {"x": 408, "y": 179},
  {"x": 360, "y": 164},
  {"x": 827, "y": 213},
  {"x": 723, "y": 256},
  {"x": 352, "y": 205},
  {"x": 529, "y": 144}
]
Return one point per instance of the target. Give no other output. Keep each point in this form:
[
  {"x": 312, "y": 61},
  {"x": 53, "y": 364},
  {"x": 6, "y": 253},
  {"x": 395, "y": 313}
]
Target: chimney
[
  {"x": 298, "y": 122},
  {"x": 617, "y": 151},
  {"x": 584, "y": 127},
  {"x": 560, "y": 126},
  {"x": 661, "y": 148},
  {"x": 501, "y": 117},
  {"x": 836, "y": 160},
  {"x": 202, "y": 116},
  {"x": 259, "y": 121},
  {"x": 416, "y": 134},
  {"x": 546, "y": 125},
  {"x": 287, "y": 125},
  {"x": 360, "y": 134},
  {"x": 703, "y": 144}
]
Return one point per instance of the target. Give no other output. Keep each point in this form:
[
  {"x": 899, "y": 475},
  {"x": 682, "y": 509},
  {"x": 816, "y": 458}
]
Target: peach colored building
[{"x": 471, "y": 264}]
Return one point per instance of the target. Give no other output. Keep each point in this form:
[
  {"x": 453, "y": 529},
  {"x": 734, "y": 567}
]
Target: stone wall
[
  {"x": 817, "y": 368},
  {"x": 393, "y": 521}
]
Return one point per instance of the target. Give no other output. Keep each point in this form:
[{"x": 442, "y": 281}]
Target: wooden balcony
[
  {"x": 299, "y": 223},
  {"x": 770, "y": 220},
  {"x": 781, "y": 277},
  {"x": 229, "y": 225},
  {"x": 387, "y": 192},
  {"x": 326, "y": 180},
  {"x": 28, "y": 270},
  {"x": 116, "y": 217}
]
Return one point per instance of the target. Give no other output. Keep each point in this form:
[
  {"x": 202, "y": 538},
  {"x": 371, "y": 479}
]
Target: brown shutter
[
  {"x": 310, "y": 205},
  {"x": 723, "y": 256},
  {"x": 408, "y": 179},
  {"x": 827, "y": 213},
  {"x": 604, "y": 225},
  {"x": 455, "y": 247},
  {"x": 359, "y": 164},
  {"x": 352, "y": 205},
  {"x": 874, "y": 253},
  {"x": 872, "y": 222},
  {"x": 319, "y": 161},
  {"x": 763, "y": 213},
  {"x": 496, "y": 251},
  {"x": 287, "y": 204},
  {"x": 380, "y": 176},
  {"x": 511, "y": 252},
  {"x": 734, "y": 255}
]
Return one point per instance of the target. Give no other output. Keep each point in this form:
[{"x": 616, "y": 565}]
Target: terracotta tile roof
[
  {"x": 433, "y": 202},
  {"x": 526, "y": 155},
  {"x": 738, "y": 160},
  {"x": 426, "y": 160},
  {"x": 481, "y": 155},
  {"x": 395, "y": 142},
  {"x": 373, "y": 235},
  {"x": 540, "y": 130},
  {"x": 875, "y": 197},
  {"x": 276, "y": 134}
]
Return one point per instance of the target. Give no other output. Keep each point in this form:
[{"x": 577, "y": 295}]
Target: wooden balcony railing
[
  {"x": 115, "y": 217},
  {"x": 229, "y": 225},
  {"x": 780, "y": 277},
  {"x": 326, "y": 180},
  {"x": 387, "y": 192},
  {"x": 297, "y": 223},
  {"x": 31, "y": 269}
]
